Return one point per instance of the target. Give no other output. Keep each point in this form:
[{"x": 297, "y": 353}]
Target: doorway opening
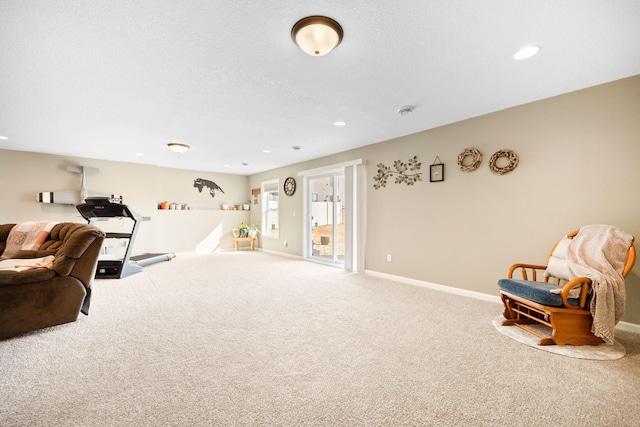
[
  {"x": 333, "y": 228},
  {"x": 327, "y": 225}
]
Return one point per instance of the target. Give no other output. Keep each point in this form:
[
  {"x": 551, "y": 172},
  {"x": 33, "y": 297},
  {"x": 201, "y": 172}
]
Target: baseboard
[
  {"x": 437, "y": 287},
  {"x": 622, "y": 326},
  {"x": 628, "y": 327}
]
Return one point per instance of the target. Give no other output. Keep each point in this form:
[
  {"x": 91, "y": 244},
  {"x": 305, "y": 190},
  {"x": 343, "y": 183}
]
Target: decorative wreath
[
  {"x": 474, "y": 154},
  {"x": 511, "y": 157}
]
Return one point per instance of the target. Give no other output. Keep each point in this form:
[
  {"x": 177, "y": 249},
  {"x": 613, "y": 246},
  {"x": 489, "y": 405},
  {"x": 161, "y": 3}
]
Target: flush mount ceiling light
[
  {"x": 316, "y": 35},
  {"x": 177, "y": 147},
  {"x": 526, "y": 52}
]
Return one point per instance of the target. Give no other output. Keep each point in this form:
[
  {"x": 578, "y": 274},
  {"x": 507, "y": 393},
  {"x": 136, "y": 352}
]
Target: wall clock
[{"x": 289, "y": 186}]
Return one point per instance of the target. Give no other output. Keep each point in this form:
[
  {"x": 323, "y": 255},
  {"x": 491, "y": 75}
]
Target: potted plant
[{"x": 248, "y": 230}]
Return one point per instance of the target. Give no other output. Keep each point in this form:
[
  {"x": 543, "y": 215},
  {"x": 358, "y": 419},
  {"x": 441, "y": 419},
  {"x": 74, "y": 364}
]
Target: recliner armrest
[{"x": 11, "y": 277}]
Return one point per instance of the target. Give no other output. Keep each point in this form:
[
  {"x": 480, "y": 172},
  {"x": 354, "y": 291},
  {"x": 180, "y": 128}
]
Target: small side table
[{"x": 245, "y": 239}]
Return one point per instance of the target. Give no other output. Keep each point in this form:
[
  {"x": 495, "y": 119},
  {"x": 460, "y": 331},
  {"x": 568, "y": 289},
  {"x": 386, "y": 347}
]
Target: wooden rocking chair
[{"x": 529, "y": 301}]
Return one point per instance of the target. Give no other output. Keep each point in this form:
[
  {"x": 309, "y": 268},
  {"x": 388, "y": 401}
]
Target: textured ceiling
[{"x": 111, "y": 79}]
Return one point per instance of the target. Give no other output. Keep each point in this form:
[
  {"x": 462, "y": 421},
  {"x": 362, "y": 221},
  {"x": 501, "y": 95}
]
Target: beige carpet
[
  {"x": 253, "y": 339},
  {"x": 593, "y": 352}
]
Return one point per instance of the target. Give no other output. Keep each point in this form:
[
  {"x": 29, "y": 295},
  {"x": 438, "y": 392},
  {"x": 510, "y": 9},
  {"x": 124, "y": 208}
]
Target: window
[{"x": 270, "y": 222}]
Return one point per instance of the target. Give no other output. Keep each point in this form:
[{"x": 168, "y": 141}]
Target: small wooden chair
[{"x": 529, "y": 301}]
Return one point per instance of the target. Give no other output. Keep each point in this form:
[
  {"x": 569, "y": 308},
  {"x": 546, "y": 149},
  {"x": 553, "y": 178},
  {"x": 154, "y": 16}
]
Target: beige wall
[
  {"x": 578, "y": 154},
  {"x": 142, "y": 188}
]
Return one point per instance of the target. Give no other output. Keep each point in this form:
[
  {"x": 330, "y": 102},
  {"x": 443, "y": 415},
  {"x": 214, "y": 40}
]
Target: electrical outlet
[
  {"x": 389, "y": 257},
  {"x": 286, "y": 244}
]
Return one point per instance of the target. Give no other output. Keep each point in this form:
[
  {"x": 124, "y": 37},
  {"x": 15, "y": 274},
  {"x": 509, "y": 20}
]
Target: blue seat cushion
[{"x": 539, "y": 292}]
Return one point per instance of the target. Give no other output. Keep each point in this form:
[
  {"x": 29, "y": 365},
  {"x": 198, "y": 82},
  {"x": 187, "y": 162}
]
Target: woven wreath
[
  {"x": 474, "y": 154},
  {"x": 512, "y": 161}
]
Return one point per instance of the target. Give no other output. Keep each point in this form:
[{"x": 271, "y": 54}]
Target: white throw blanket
[
  {"x": 599, "y": 252},
  {"x": 27, "y": 264}
]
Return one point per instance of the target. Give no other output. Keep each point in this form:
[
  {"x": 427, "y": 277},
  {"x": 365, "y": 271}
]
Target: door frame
[
  {"x": 354, "y": 204},
  {"x": 333, "y": 177}
]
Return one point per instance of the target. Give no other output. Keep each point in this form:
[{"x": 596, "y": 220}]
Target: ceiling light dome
[
  {"x": 317, "y": 35},
  {"x": 178, "y": 147}
]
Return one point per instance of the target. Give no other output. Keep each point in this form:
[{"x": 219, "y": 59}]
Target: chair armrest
[
  {"x": 533, "y": 267},
  {"x": 12, "y": 277},
  {"x": 585, "y": 285}
]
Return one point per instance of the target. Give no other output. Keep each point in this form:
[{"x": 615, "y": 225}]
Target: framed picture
[{"x": 436, "y": 173}]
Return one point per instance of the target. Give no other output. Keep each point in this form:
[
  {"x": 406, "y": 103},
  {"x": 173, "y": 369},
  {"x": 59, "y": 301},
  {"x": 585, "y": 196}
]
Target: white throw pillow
[{"x": 558, "y": 266}]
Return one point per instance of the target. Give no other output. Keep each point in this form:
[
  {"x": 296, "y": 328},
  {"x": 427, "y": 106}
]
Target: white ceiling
[{"x": 110, "y": 79}]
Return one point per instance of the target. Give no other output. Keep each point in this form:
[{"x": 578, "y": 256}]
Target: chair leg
[
  {"x": 511, "y": 315},
  {"x": 567, "y": 328},
  {"x": 574, "y": 329},
  {"x": 508, "y": 312},
  {"x": 514, "y": 318}
]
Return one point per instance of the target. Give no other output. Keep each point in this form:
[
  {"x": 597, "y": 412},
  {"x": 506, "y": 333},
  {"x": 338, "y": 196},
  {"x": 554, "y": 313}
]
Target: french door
[{"x": 326, "y": 217}]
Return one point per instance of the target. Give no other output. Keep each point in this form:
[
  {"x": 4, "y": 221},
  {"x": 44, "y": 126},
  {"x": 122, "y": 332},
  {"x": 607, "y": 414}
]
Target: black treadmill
[{"x": 101, "y": 209}]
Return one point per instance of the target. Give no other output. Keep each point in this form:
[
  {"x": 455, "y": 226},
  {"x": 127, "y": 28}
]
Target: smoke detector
[{"x": 406, "y": 110}]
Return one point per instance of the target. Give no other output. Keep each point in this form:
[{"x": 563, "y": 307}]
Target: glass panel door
[{"x": 326, "y": 208}]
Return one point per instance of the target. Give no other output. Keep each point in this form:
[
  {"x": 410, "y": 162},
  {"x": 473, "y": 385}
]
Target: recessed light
[
  {"x": 139, "y": 155},
  {"x": 340, "y": 123},
  {"x": 526, "y": 52},
  {"x": 3, "y": 137},
  {"x": 266, "y": 151},
  {"x": 227, "y": 166}
]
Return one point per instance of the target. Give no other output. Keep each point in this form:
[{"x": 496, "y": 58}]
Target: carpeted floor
[{"x": 253, "y": 339}]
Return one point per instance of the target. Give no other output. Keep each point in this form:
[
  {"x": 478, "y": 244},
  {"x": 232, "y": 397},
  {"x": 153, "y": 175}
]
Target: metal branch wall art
[{"x": 405, "y": 173}]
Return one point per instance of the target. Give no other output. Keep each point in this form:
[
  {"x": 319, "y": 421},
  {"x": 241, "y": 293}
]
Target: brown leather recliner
[{"x": 42, "y": 297}]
